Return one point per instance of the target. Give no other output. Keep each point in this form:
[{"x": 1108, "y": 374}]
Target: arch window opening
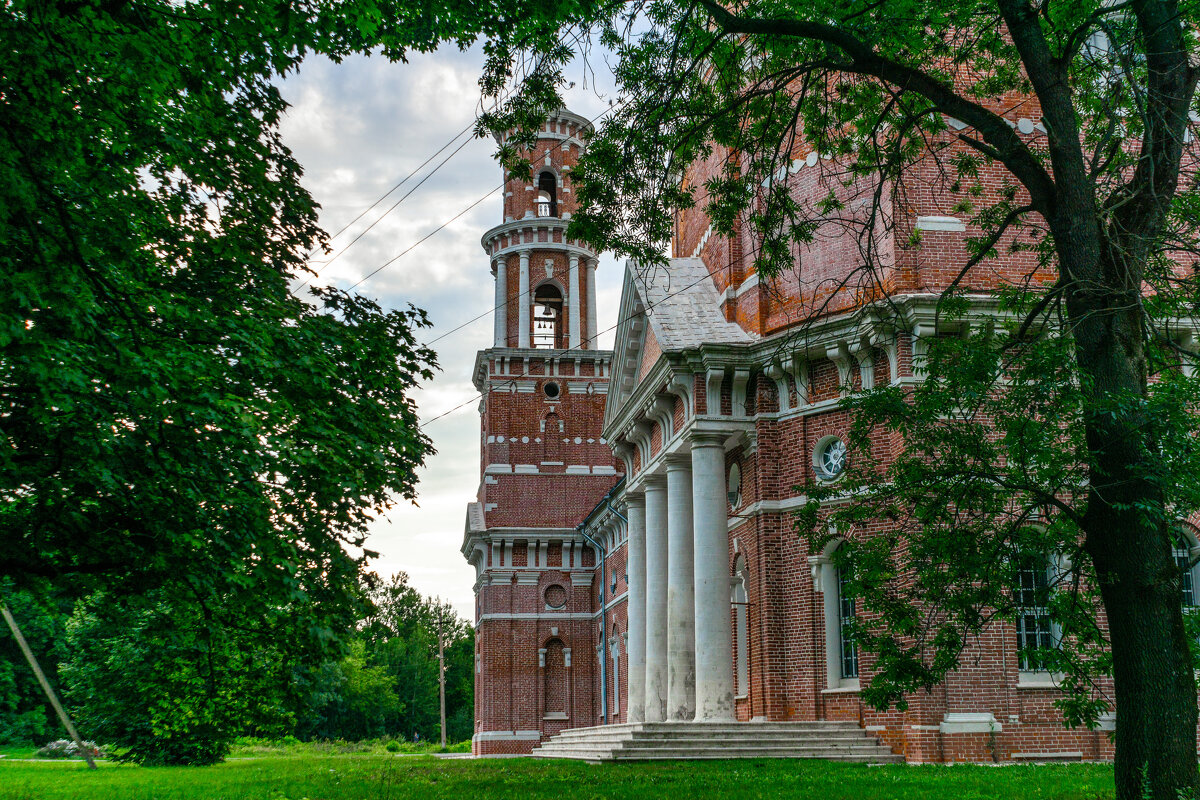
[
  {"x": 741, "y": 622},
  {"x": 847, "y": 611},
  {"x": 547, "y": 195},
  {"x": 547, "y": 318},
  {"x": 1181, "y": 552},
  {"x": 555, "y": 679},
  {"x": 1035, "y": 630}
]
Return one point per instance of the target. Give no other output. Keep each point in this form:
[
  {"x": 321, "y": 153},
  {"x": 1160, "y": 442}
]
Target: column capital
[
  {"x": 634, "y": 500},
  {"x": 707, "y": 439},
  {"x": 681, "y": 460},
  {"x": 654, "y": 480}
]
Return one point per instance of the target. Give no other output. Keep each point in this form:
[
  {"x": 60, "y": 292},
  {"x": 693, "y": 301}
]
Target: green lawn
[{"x": 378, "y": 777}]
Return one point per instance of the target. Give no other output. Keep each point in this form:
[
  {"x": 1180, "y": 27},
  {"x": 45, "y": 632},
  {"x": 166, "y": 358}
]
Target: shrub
[
  {"x": 66, "y": 748},
  {"x": 393, "y": 746}
]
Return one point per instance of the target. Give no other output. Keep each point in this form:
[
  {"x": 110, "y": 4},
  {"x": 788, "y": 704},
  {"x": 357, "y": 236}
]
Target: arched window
[
  {"x": 741, "y": 629},
  {"x": 841, "y": 652},
  {"x": 1184, "y": 549},
  {"x": 555, "y": 679},
  {"x": 847, "y": 611},
  {"x": 547, "y": 195},
  {"x": 552, "y": 429},
  {"x": 547, "y": 317},
  {"x": 1031, "y": 598},
  {"x": 614, "y": 652}
]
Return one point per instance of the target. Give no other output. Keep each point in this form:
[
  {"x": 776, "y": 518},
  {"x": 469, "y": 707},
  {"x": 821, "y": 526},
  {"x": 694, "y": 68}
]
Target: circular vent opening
[{"x": 556, "y": 596}]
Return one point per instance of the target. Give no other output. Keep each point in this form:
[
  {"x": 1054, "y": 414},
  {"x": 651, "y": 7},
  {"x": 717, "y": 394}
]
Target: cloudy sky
[{"x": 359, "y": 128}]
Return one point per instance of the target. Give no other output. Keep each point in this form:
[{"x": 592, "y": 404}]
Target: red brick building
[{"x": 684, "y": 593}]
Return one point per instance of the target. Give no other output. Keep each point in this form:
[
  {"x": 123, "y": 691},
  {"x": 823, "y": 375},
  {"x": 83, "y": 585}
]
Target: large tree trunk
[
  {"x": 1155, "y": 690},
  {"x": 1128, "y": 532}
]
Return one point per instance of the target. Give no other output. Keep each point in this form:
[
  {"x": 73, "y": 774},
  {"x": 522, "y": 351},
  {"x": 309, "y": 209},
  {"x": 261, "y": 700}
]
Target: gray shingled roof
[{"x": 684, "y": 308}]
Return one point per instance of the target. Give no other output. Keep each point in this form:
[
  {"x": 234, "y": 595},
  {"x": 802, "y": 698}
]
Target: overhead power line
[{"x": 558, "y": 353}]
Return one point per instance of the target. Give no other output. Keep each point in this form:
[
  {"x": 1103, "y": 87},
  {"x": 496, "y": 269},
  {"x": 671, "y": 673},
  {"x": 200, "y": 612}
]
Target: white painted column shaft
[
  {"x": 714, "y": 642},
  {"x": 523, "y": 303},
  {"x": 573, "y": 300},
  {"x": 635, "y": 510},
  {"x": 656, "y": 599},
  {"x": 681, "y": 597},
  {"x": 501, "y": 338},
  {"x": 591, "y": 304}
]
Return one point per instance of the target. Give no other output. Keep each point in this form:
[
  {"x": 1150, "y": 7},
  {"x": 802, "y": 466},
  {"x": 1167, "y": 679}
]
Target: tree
[
  {"x": 1106, "y": 206},
  {"x": 387, "y": 684},
  {"x": 166, "y": 680},
  {"x": 25, "y": 715},
  {"x": 176, "y": 422}
]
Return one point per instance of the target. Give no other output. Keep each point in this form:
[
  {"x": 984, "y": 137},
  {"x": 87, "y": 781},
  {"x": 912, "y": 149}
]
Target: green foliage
[
  {"x": 25, "y": 715},
  {"x": 387, "y": 683},
  {"x": 168, "y": 681},
  {"x": 180, "y": 432}
]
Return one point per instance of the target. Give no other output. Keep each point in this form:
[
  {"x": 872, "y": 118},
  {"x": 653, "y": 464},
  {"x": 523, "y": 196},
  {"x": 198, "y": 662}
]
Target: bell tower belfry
[
  {"x": 545, "y": 283},
  {"x": 544, "y": 465}
]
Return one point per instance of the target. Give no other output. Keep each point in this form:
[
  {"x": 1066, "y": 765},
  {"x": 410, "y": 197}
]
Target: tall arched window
[
  {"x": 847, "y": 611},
  {"x": 1035, "y": 631},
  {"x": 741, "y": 629},
  {"x": 614, "y": 653},
  {"x": 547, "y": 317},
  {"x": 841, "y": 651},
  {"x": 547, "y": 195},
  {"x": 555, "y": 679},
  {"x": 1183, "y": 547}
]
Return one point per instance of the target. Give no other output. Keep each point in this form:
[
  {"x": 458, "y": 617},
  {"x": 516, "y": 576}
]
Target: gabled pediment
[{"x": 664, "y": 310}]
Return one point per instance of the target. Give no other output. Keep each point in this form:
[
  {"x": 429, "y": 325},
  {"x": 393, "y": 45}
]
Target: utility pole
[
  {"x": 442, "y": 673},
  {"x": 41, "y": 676}
]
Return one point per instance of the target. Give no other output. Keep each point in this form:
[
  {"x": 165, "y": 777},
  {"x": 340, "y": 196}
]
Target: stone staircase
[{"x": 664, "y": 741}]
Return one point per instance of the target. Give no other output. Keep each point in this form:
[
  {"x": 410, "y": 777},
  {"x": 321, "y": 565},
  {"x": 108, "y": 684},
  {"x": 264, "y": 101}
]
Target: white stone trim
[
  {"x": 507, "y": 736},
  {"x": 933, "y": 223},
  {"x": 536, "y": 615},
  {"x": 969, "y": 722}
]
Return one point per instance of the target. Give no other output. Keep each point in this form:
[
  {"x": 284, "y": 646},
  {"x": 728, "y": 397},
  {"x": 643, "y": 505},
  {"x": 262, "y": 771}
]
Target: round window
[
  {"x": 829, "y": 459},
  {"x": 551, "y": 389},
  {"x": 556, "y": 596}
]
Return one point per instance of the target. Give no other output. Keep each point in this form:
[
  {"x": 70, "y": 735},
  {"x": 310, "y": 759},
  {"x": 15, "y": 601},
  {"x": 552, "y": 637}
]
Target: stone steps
[{"x": 657, "y": 741}]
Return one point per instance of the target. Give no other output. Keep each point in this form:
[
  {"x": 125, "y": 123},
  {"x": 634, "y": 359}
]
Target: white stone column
[
  {"x": 501, "y": 338},
  {"x": 714, "y": 643},
  {"x": 635, "y": 566},
  {"x": 591, "y": 304},
  {"x": 655, "y": 708},
  {"x": 573, "y": 300},
  {"x": 524, "y": 302},
  {"x": 681, "y": 596}
]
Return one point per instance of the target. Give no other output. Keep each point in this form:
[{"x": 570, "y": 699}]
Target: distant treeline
[{"x": 172, "y": 680}]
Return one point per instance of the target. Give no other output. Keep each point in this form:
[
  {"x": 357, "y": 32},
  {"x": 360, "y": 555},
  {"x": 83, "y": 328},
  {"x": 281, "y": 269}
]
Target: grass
[
  {"x": 387, "y": 777},
  {"x": 258, "y": 748}
]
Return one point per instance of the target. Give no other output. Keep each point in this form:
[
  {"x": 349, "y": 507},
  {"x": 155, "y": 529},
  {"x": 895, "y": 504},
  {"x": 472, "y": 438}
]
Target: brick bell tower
[{"x": 543, "y": 467}]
